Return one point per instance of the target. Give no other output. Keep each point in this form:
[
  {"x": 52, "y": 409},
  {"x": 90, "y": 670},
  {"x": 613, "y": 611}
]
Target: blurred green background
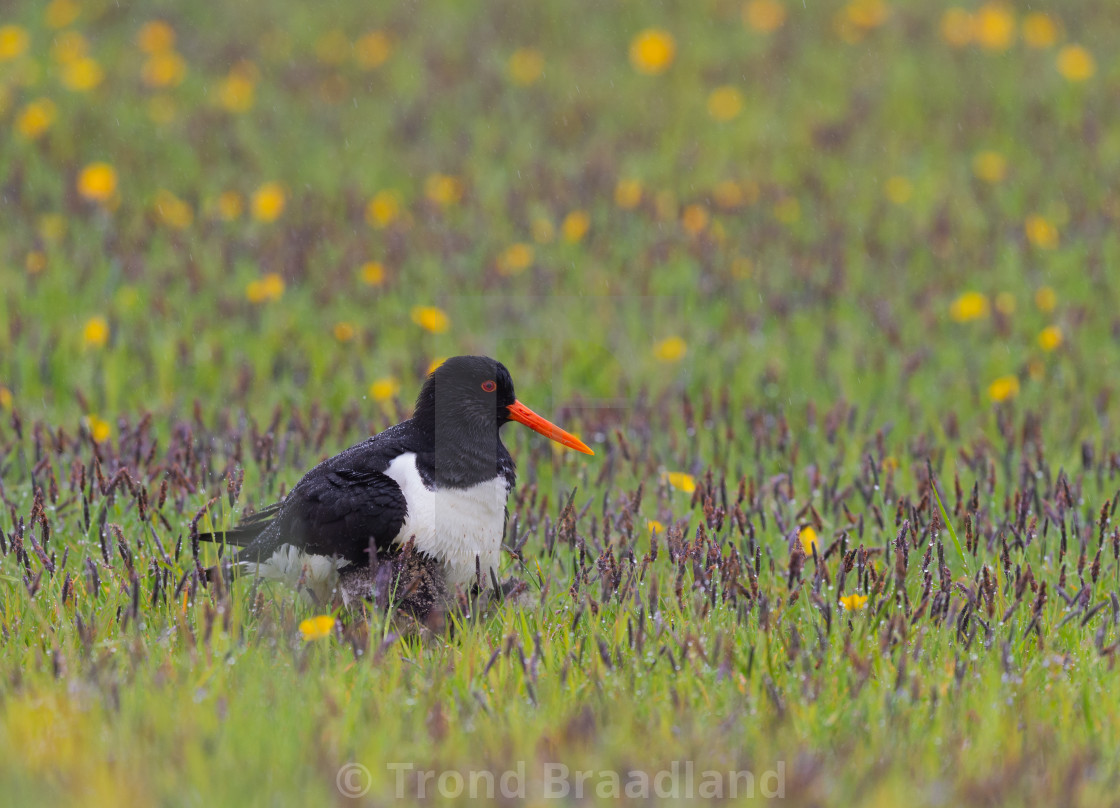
[{"x": 247, "y": 203}]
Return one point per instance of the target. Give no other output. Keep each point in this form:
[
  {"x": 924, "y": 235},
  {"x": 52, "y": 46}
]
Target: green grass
[{"x": 824, "y": 381}]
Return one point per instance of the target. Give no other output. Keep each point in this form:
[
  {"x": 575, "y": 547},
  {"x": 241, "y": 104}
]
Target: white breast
[{"x": 454, "y": 525}]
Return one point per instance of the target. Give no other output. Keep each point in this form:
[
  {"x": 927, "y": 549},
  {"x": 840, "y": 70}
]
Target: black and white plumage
[{"x": 441, "y": 479}]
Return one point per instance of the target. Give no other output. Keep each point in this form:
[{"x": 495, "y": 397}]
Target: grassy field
[{"x": 830, "y": 288}]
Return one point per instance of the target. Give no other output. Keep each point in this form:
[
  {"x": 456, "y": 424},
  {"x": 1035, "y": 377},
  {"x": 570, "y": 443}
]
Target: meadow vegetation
[{"x": 830, "y": 288}]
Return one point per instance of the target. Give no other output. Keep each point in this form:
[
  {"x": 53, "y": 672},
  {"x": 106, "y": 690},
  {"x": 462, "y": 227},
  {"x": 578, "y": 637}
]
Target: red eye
[{"x": 489, "y": 386}]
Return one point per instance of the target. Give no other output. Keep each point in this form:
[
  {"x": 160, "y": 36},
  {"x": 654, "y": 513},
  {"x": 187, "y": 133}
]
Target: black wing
[
  {"x": 339, "y": 507},
  {"x": 333, "y": 512}
]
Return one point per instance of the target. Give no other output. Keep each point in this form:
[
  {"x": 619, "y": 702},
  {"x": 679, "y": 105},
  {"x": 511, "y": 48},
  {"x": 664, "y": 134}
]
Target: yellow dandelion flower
[
  {"x": 725, "y": 103},
  {"x": 36, "y": 118},
  {"x": 867, "y": 14},
  {"x": 957, "y": 27},
  {"x": 95, "y": 333},
  {"x": 670, "y": 349},
  {"x": 694, "y": 219},
  {"x": 262, "y": 290},
  {"x": 1005, "y": 303},
  {"x": 1039, "y": 30},
  {"x": 316, "y": 628},
  {"x": 268, "y": 202},
  {"x": 1046, "y": 299},
  {"x": 6, "y": 399},
  {"x": 809, "y": 541},
  {"x": 544, "y": 232},
  {"x": 385, "y": 388},
  {"x": 515, "y": 259},
  {"x": 1041, "y": 232},
  {"x": 1003, "y": 388},
  {"x": 230, "y": 204},
  {"x": 653, "y": 526},
  {"x": 994, "y": 26},
  {"x": 372, "y": 50},
  {"x": 432, "y": 319},
  {"x": 173, "y": 211},
  {"x": 383, "y": 209},
  {"x": 164, "y": 69},
  {"x": 61, "y": 13},
  {"x": 434, "y": 364},
  {"x": 728, "y": 195},
  {"x": 525, "y": 66},
  {"x": 680, "y": 480},
  {"x": 236, "y": 90},
  {"x": 853, "y": 602},
  {"x": 1050, "y": 338},
  {"x": 764, "y": 16},
  {"x": 1075, "y": 63},
  {"x": 99, "y": 428},
  {"x": 155, "y": 36},
  {"x": 35, "y": 262},
  {"x": 332, "y": 47},
  {"x": 14, "y": 42},
  {"x": 652, "y": 51},
  {"x": 81, "y": 75},
  {"x": 969, "y": 306},
  {"x": 372, "y": 273},
  {"x": 787, "y": 210},
  {"x": 344, "y": 331},
  {"x": 274, "y": 286},
  {"x": 443, "y": 189},
  {"x": 575, "y": 226},
  {"x": 628, "y": 193},
  {"x": 989, "y": 166},
  {"x": 98, "y": 182},
  {"x": 898, "y": 189}
]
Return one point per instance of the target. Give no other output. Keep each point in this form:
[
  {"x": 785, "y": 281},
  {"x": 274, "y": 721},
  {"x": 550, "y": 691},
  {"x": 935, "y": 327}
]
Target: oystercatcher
[{"x": 440, "y": 479}]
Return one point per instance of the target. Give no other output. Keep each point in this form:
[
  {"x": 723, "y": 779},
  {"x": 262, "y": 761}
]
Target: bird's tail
[
  {"x": 245, "y": 531},
  {"x": 240, "y": 535}
]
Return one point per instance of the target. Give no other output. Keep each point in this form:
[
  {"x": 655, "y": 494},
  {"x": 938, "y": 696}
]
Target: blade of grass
[{"x": 945, "y": 519}]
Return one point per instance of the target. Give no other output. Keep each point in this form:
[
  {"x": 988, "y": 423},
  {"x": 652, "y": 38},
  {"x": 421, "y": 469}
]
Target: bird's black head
[
  {"x": 463, "y": 404},
  {"x": 470, "y": 392}
]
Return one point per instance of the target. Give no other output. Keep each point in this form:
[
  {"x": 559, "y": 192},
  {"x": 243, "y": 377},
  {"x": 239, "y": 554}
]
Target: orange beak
[{"x": 523, "y": 415}]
